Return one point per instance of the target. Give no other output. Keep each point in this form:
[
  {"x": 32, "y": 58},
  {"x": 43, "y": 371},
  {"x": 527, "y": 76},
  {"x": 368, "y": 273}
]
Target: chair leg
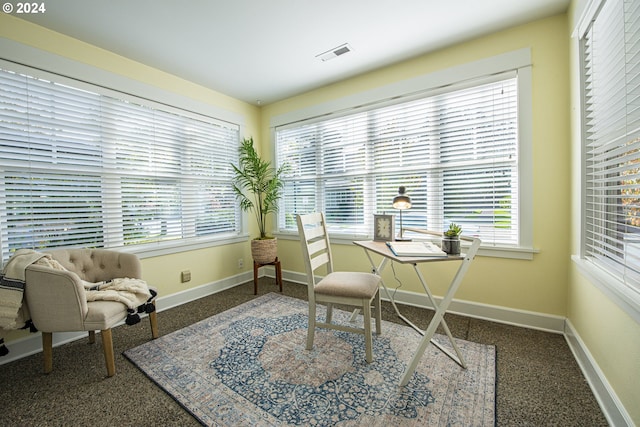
[
  {"x": 378, "y": 314},
  {"x": 107, "y": 344},
  {"x": 153, "y": 320},
  {"x": 329, "y": 313},
  {"x": 312, "y": 325},
  {"x": 368, "y": 340},
  {"x": 92, "y": 337},
  {"x": 47, "y": 351}
]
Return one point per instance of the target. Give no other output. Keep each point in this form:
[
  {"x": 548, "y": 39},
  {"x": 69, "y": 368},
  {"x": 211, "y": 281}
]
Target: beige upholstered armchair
[{"x": 57, "y": 299}]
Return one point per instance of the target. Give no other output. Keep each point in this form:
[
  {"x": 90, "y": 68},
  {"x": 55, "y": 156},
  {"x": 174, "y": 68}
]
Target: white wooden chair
[{"x": 356, "y": 289}]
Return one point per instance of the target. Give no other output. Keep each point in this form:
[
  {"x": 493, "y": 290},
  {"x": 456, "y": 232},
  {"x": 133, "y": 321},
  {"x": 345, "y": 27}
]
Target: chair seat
[
  {"x": 349, "y": 284},
  {"x": 103, "y": 314}
]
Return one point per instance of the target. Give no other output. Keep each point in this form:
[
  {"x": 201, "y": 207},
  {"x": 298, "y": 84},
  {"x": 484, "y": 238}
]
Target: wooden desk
[{"x": 382, "y": 249}]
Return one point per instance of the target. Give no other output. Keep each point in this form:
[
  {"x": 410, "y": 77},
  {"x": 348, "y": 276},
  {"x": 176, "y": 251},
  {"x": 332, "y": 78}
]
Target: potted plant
[
  {"x": 258, "y": 186},
  {"x": 451, "y": 239}
]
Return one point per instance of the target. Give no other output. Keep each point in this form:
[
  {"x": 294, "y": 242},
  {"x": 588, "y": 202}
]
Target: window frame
[
  {"x": 36, "y": 63},
  {"x": 605, "y": 280},
  {"x": 431, "y": 83}
]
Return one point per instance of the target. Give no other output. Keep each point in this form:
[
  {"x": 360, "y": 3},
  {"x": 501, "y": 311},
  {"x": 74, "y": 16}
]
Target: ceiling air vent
[{"x": 335, "y": 52}]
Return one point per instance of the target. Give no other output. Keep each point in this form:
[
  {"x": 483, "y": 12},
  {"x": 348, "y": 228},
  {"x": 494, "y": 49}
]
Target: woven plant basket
[{"x": 264, "y": 251}]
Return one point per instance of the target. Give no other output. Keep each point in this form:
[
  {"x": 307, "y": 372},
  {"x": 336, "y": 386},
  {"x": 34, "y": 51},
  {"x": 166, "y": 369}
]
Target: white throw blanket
[
  {"x": 13, "y": 313},
  {"x": 130, "y": 292}
]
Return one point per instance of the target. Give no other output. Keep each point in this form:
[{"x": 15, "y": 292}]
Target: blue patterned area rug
[{"x": 248, "y": 366}]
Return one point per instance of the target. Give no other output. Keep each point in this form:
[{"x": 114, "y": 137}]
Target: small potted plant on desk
[{"x": 451, "y": 239}]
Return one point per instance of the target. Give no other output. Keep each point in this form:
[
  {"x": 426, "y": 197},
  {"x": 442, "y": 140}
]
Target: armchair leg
[
  {"x": 47, "y": 351},
  {"x": 107, "y": 344},
  {"x": 92, "y": 337}
]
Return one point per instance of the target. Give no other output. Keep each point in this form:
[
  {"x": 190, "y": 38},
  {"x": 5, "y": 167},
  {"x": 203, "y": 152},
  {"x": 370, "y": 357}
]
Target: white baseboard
[
  {"x": 609, "y": 402},
  {"x": 32, "y": 344},
  {"x": 192, "y": 294},
  {"x": 494, "y": 313},
  {"x": 611, "y": 406}
]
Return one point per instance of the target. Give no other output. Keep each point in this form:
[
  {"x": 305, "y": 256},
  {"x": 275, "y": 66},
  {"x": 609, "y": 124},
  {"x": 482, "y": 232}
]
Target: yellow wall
[
  {"x": 538, "y": 285},
  {"x": 610, "y": 334}
]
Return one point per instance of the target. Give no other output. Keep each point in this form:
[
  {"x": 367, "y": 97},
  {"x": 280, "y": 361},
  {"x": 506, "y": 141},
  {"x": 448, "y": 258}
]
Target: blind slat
[
  {"x": 455, "y": 152},
  {"x": 87, "y": 169},
  {"x": 611, "y": 69}
]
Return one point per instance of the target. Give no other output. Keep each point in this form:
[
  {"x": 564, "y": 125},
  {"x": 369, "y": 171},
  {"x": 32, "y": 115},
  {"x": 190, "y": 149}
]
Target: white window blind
[
  {"x": 81, "y": 168},
  {"x": 611, "y": 86},
  {"x": 455, "y": 152}
]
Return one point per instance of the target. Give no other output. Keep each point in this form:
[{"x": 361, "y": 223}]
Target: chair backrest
[
  {"x": 97, "y": 265},
  {"x": 316, "y": 249}
]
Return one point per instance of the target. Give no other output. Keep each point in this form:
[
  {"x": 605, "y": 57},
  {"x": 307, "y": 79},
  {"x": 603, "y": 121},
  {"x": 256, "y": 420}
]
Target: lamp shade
[{"x": 401, "y": 201}]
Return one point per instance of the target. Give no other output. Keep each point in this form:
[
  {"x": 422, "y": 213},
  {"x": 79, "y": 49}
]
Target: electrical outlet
[
  {"x": 240, "y": 262},
  {"x": 185, "y": 276}
]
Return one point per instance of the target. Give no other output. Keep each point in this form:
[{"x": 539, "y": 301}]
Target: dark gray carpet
[{"x": 538, "y": 381}]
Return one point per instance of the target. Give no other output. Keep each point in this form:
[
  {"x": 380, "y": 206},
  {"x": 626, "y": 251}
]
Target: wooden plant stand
[{"x": 256, "y": 266}]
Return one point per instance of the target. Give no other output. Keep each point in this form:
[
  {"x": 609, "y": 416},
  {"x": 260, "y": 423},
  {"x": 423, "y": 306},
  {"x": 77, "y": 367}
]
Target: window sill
[
  {"x": 177, "y": 246},
  {"x": 623, "y": 296},
  {"x": 509, "y": 252}
]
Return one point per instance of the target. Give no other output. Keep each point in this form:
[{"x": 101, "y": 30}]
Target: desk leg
[
  {"x": 460, "y": 359},
  {"x": 431, "y": 329},
  {"x": 389, "y": 295},
  {"x": 378, "y": 270},
  {"x": 437, "y": 318}
]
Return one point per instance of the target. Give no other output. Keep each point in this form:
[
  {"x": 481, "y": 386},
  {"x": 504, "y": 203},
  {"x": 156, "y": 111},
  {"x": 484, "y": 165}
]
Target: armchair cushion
[{"x": 102, "y": 313}]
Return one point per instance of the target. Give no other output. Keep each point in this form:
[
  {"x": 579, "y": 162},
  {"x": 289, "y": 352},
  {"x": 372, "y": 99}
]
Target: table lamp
[{"x": 401, "y": 202}]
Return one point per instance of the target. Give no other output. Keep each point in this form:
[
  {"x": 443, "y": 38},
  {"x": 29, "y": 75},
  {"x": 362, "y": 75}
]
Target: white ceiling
[{"x": 261, "y": 51}]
